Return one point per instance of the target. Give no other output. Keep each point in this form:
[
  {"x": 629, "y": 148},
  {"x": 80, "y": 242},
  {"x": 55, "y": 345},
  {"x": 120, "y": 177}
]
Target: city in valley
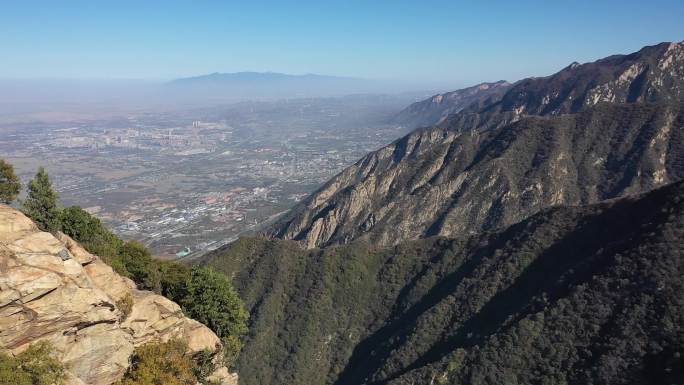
[{"x": 187, "y": 180}]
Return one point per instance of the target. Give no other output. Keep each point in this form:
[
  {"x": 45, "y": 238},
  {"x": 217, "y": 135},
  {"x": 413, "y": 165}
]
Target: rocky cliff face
[
  {"x": 434, "y": 110},
  {"x": 52, "y": 289},
  {"x": 582, "y": 135}
]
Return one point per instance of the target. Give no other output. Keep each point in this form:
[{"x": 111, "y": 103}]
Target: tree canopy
[
  {"x": 41, "y": 202},
  {"x": 10, "y": 186},
  {"x": 212, "y": 300},
  {"x": 90, "y": 232}
]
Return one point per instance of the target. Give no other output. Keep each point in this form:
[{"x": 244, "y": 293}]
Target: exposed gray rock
[{"x": 64, "y": 254}]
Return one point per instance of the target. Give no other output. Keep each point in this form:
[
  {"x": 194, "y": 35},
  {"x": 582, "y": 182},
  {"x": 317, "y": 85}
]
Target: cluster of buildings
[{"x": 184, "y": 185}]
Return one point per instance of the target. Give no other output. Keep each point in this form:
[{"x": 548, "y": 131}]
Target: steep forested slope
[
  {"x": 593, "y": 131},
  {"x": 577, "y": 294}
]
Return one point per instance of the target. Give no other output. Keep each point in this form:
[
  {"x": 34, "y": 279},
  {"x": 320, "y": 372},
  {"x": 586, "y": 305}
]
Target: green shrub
[
  {"x": 125, "y": 305},
  {"x": 165, "y": 363},
  {"x": 140, "y": 266},
  {"x": 90, "y": 232},
  {"x": 212, "y": 300},
  {"x": 169, "y": 363},
  {"x": 174, "y": 278},
  {"x": 35, "y": 366},
  {"x": 204, "y": 366},
  {"x": 9, "y": 183}
]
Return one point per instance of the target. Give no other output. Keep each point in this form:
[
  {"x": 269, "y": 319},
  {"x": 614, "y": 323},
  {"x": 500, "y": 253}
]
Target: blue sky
[{"x": 458, "y": 42}]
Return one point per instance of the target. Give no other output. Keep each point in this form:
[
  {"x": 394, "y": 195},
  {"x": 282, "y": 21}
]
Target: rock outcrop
[{"x": 52, "y": 289}]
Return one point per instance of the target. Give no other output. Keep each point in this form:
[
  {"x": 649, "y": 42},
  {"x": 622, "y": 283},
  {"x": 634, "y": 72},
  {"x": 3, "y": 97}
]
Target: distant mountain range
[
  {"x": 229, "y": 79},
  {"x": 271, "y": 84}
]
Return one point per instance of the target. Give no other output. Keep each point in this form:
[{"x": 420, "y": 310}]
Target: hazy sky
[{"x": 423, "y": 40}]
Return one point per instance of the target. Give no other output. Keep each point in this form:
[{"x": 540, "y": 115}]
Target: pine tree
[
  {"x": 9, "y": 183},
  {"x": 41, "y": 202}
]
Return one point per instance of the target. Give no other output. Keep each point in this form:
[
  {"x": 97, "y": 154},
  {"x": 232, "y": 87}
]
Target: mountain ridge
[
  {"x": 435, "y": 109},
  {"x": 653, "y": 74},
  {"x": 425, "y": 171}
]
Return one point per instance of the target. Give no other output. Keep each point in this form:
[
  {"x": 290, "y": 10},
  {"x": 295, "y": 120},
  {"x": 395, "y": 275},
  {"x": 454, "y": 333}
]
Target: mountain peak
[{"x": 572, "y": 66}]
